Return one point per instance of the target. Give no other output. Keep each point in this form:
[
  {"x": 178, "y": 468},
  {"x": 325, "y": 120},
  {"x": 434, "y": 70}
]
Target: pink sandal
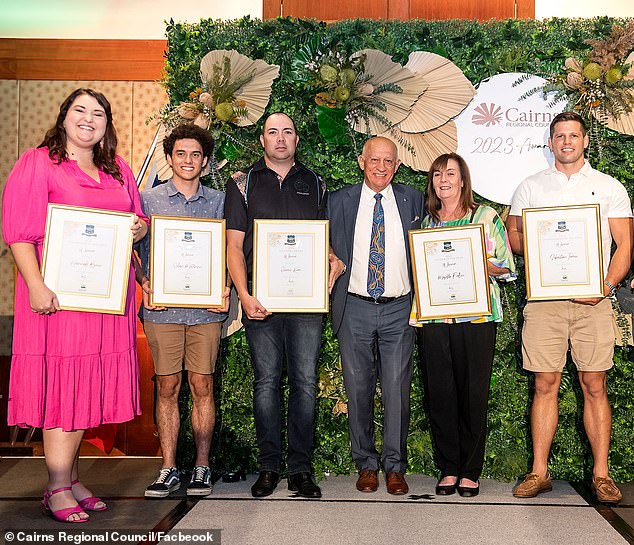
[
  {"x": 89, "y": 503},
  {"x": 61, "y": 515}
]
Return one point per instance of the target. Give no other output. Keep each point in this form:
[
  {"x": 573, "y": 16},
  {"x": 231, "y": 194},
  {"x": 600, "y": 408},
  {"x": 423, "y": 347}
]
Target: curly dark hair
[
  {"x": 194, "y": 132},
  {"x": 466, "y": 195},
  {"x": 103, "y": 154}
]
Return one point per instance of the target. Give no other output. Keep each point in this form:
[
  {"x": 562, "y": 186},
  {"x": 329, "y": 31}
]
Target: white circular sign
[{"x": 504, "y": 138}]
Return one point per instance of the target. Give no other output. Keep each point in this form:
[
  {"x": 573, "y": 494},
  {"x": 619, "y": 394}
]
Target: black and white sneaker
[
  {"x": 168, "y": 481},
  {"x": 200, "y": 485}
]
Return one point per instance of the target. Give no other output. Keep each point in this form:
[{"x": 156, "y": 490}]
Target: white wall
[
  {"x": 144, "y": 19},
  {"x": 583, "y": 8},
  {"x": 116, "y": 19}
]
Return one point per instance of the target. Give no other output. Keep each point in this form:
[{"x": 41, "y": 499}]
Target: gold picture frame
[
  {"x": 562, "y": 252},
  {"x": 187, "y": 262},
  {"x": 86, "y": 257},
  {"x": 450, "y": 272},
  {"x": 290, "y": 264}
]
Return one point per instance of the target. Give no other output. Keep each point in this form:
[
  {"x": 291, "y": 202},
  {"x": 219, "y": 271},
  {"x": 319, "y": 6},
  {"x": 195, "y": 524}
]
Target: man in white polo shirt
[{"x": 585, "y": 325}]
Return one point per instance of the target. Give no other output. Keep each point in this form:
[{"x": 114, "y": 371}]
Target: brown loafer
[
  {"x": 606, "y": 491},
  {"x": 396, "y": 484},
  {"x": 368, "y": 480},
  {"x": 532, "y": 485}
]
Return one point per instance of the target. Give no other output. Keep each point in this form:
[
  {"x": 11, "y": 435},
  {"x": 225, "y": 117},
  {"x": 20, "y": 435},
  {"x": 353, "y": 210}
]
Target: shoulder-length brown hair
[
  {"x": 466, "y": 194},
  {"x": 103, "y": 154}
]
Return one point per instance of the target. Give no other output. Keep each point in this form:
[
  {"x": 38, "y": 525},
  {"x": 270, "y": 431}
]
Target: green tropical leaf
[
  {"x": 227, "y": 150},
  {"x": 304, "y": 55},
  {"x": 332, "y": 124}
]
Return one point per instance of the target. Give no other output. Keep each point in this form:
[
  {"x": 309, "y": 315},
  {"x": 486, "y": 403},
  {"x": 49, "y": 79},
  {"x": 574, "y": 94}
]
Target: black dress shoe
[
  {"x": 446, "y": 489},
  {"x": 265, "y": 485},
  {"x": 469, "y": 492},
  {"x": 303, "y": 484}
]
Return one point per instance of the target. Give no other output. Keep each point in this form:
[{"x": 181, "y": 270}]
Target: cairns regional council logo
[
  {"x": 490, "y": 114},
  {"x": 487, "y": 115}
]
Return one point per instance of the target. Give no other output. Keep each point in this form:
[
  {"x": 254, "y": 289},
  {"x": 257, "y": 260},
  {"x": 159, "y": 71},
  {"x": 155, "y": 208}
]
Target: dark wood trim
[
  {"x": 5, "y": 367},
  {"x": 99, "y": 60}
]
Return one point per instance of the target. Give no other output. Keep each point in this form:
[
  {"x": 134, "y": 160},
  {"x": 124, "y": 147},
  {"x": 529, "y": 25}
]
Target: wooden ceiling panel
[
  {"x": 462, "y": 9},
  {"x": 335, "y": 11},
  {"x": 103, "y": 60}
]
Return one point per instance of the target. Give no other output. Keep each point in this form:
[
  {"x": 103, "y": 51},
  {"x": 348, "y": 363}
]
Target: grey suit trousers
[{"x": 375, "y": 340}]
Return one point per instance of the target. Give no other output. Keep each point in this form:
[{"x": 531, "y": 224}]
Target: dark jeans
[{"x": 296, "y": 337}]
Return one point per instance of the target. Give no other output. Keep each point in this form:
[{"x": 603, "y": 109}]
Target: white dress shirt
[{"x": 396, "y": 279}]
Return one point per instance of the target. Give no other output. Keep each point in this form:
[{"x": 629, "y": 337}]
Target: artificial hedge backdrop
[{"x": 480, "y": 50}]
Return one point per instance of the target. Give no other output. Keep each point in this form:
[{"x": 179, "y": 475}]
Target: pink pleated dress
[{"x": 70, "y": 370}]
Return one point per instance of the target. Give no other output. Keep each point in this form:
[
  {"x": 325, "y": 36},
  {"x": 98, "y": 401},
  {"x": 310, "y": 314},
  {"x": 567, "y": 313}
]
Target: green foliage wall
[{"x": 480, "y": 50}]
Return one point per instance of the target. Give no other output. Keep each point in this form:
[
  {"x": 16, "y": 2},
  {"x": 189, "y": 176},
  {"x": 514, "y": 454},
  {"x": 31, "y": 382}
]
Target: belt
[{"x": 378, "y": 301}]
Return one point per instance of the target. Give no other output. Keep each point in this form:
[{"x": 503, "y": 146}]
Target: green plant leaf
[
  {"x": 227, "y": 150},
  {"x": 332, "y": 124}
]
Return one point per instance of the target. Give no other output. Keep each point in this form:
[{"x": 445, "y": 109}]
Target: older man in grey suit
[{"x": 371, "y": 303}]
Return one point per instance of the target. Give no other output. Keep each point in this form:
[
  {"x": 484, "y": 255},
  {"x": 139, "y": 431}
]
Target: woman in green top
[{"x": 457, "y": 353}]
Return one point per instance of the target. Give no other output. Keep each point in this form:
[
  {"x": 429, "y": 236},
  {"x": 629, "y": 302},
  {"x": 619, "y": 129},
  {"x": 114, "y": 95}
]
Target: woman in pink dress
[{"x": 70, "y": 371}]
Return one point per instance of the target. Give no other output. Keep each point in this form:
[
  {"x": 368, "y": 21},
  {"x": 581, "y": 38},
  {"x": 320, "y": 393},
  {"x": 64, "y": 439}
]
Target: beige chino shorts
[
  {"x": 551, "y": 327},
  {"x": 170, "y": 344}
]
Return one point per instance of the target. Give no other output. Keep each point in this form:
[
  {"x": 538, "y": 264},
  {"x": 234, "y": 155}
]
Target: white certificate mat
[
  {"x": 562, "y": 252},
  {"x": 187, "y": 262},
  {"x": 450, "y": 273},
  {"x": 86, "y": 257},
  {"x": 290, "y": 265}
]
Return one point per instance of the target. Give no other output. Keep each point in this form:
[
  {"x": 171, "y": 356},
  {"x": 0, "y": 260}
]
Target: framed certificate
[
  {"x": 562, "y": 252},
  {"x": 450, "y": 272},
  {"x": 290, "y": 265},
  {"x": 86, "y": 257},
  {"x": 187, "y": 262}
]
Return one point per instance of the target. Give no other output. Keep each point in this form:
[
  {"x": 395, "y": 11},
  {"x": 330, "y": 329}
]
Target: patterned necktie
[{"x": 376, "y": 263}]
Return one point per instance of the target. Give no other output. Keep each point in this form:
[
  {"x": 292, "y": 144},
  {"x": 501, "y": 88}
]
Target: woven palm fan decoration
[
  {"x": 235, "y": 91},
  {"x": 398, "y": 88},
  {"x": 251, "y": 79},
  {"x": 448, "y": 93},
  {"x": 427, "y": 131},
  {"x": 418, "y": 150}
]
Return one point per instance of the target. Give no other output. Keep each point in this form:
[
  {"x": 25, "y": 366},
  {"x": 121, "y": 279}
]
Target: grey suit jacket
[{"x": 343, "y": 206}]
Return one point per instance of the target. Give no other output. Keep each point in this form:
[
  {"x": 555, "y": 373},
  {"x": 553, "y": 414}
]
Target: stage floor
[{"x": 564, "y": 516}]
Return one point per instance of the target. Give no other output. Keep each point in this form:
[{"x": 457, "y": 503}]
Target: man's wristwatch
[{"x": 612, "y": 288}]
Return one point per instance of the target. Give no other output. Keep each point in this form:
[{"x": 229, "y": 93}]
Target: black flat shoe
[
  {"x": 265, "y": 485},
  {"x": 468, "y": 492},
  {"x": 303, "y": 484},
  {"x": 446, "y": 489}
]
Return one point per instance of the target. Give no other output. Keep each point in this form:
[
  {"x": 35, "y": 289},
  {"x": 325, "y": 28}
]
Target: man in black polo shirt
[{"x": 277, "y": 187}]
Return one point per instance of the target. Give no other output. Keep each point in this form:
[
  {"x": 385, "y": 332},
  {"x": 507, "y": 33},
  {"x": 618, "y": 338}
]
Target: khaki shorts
[
  {"x": 551, "y": 327},
  {"x": 170, "y": 344}
]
